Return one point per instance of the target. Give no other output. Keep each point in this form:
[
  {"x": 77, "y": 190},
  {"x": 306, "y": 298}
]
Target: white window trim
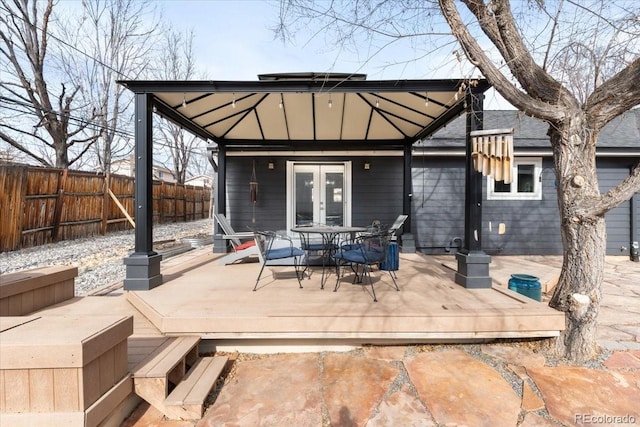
[{"x": 514, "y": 195}]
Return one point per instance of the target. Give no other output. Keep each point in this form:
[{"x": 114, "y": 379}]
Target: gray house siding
[
  {"x": 437, "y": 205},
  {"x": 611, "y": 173},
  {"x": 271, "y": 207},
  {"x": 532, "y": 226},
  {"x": 376, "y": 192}
]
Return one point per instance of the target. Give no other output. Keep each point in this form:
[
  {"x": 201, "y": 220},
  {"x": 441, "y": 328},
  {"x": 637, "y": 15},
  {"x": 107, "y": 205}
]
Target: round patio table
[{"x": 329, "y": 235}]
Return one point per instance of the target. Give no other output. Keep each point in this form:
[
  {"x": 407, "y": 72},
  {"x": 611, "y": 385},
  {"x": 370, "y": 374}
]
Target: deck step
[
  {"x": 156, "y": 376},
  {"x": 187, "y": 400}
]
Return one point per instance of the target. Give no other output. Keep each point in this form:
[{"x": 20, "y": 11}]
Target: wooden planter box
[
  {"x": 27, "y": 291},
  {"x": 62, "y": 370}
]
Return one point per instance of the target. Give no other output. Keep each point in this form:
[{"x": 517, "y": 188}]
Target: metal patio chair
[
  {"x": 268, "y": 252},
  {"x": 366, "y": 251}
]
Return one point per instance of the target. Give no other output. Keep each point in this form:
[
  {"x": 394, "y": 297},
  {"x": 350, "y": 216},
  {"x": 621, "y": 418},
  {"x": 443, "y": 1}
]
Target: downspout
[
  {"x": 407, "y": 239},
  {"x": 634, "y": 250}
]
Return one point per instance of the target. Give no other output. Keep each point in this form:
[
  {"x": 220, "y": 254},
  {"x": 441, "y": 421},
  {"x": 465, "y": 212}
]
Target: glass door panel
[
  {"x": 333, "y": 198},
  {"x": 304, "y": 197}
]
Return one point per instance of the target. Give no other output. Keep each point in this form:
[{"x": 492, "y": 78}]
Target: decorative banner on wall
[{"x": 492, "y": 153}]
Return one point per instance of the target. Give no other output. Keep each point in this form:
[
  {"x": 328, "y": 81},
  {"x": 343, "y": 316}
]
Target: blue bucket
[
  {"x": 392, "y": 261},
  {"x": 526, "y": 285}
]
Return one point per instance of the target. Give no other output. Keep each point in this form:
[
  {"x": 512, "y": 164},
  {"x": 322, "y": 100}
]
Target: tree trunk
[{"x": 578, "y": 293}]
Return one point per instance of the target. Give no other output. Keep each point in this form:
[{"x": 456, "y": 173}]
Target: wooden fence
[{"x": 43, "y": 205}]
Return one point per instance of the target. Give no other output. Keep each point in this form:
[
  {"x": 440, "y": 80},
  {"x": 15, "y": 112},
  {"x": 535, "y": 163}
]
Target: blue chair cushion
[
  {"x": 280, "y": 253},
  {"x": 359, "y": 256}
]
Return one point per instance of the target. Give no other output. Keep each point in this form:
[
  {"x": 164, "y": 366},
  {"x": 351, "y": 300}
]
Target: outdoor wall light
[
  {"x": 271, "y": 165},
  {"x": 367, "y": 165}
]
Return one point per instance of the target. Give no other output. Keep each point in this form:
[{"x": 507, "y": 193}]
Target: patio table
[{"x": 329, "y": 234}]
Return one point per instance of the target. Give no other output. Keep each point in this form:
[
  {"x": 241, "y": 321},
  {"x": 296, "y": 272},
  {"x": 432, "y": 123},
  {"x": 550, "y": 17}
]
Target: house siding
[
  {"x": 376, "y": 193},
  {"x": 437, "y": 207},
  {"x": 610, "y": 174},
  {"x": 532, "y": 226}
]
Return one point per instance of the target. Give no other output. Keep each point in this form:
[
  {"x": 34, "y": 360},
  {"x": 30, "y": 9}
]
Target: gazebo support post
[
  {"x": 143, "y": 265},
  {"x": 220, "y": 244},
  {"x": 473, "y": 262}
]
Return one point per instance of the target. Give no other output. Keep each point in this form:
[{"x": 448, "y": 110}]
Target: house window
[{"x": 526, "y": 183}]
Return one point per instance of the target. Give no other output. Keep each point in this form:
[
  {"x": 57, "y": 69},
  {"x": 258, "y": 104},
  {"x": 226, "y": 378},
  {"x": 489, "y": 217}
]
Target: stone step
[{"x": 186, "y": 401}]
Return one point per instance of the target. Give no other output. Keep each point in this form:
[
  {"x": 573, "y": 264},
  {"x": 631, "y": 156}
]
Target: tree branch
[
  {"x": 500, "y": 27},
  {"x": 615, "y": 96},
  {"x": 477, "y": 56},
  {"x": 21, "y": 148},
  {"x": 620, "y": 193}
]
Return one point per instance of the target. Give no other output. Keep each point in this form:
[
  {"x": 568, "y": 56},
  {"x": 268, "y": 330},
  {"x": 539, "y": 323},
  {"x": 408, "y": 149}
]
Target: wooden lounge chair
[
  {"x": 243, "y": 243},
  {"x": 397, "y": 224}
]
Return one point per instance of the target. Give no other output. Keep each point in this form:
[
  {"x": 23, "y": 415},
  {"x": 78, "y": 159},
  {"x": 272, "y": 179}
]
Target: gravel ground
[{"x": 99, "y": 258}]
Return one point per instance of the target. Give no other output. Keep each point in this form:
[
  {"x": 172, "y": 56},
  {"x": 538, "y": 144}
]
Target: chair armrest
[{"x": 245, "y": 235}]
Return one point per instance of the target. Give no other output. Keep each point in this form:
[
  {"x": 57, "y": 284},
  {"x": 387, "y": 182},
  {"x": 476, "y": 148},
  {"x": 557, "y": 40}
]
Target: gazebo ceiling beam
[
  {"x": 294, "y": 86},
  {"x": 174, "y": 116}
]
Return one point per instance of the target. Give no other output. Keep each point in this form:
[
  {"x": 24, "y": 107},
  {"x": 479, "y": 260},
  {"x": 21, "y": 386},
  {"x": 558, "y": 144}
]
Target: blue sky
[{"x": 234, "y": 40}]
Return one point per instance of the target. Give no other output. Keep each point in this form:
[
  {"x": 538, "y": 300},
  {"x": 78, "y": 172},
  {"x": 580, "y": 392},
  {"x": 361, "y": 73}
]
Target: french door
[{"x": 319, "y": 194}]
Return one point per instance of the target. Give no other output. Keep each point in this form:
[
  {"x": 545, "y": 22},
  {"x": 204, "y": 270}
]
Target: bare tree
[
  {"x": 27, "y": 95},
  {"x": 573, "y": 64},
  {"x": 177, "y": 64},
  {"x": 111, "y": 41}
]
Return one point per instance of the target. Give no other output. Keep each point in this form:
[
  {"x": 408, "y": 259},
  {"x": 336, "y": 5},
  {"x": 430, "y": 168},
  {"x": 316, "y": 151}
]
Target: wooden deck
[{"x": 217, "y": 302}]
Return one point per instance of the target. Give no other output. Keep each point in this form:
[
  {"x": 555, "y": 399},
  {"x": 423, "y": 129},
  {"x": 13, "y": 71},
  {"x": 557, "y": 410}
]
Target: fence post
[
  {"x": 105, "y": 204},
  {"x": 175, "y": 202},
  {"x": 184, "y": 203},
  {"x": 57, "y": 213}
]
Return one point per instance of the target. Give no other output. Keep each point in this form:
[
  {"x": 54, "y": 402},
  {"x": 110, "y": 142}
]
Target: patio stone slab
[
  {"x": 263, "y": 393},
  {"x": 353, "y": 386},
  {"x": 402, "y": 408},
  {"x": 530, "y": 400},
  {"x": 613, "y": 333},
  {"x": 388, "y": 353},
  {"x": 534, "y": 420},
  {"x": 514, "y": 355},
  {"x": 462, "y": 390},
  {"x": 574, "y": 394},
  {"x": 623, "y": 360}
]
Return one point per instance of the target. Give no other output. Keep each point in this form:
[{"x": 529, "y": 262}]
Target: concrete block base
[
  {"x": 143, "y": 272},
  {"x": 473, "y": 270}
]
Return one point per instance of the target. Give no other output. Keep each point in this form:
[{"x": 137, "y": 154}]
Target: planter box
[
  {"x": 27, "y": 291},
  {"x": 59, "y": 370}
]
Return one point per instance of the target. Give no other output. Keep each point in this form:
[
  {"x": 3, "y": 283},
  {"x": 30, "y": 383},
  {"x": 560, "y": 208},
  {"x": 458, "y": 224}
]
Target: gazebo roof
[{"x": 284, "y": 110}]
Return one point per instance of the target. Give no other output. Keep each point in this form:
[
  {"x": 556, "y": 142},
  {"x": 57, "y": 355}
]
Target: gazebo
[{"x": 312, "y": 115}]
